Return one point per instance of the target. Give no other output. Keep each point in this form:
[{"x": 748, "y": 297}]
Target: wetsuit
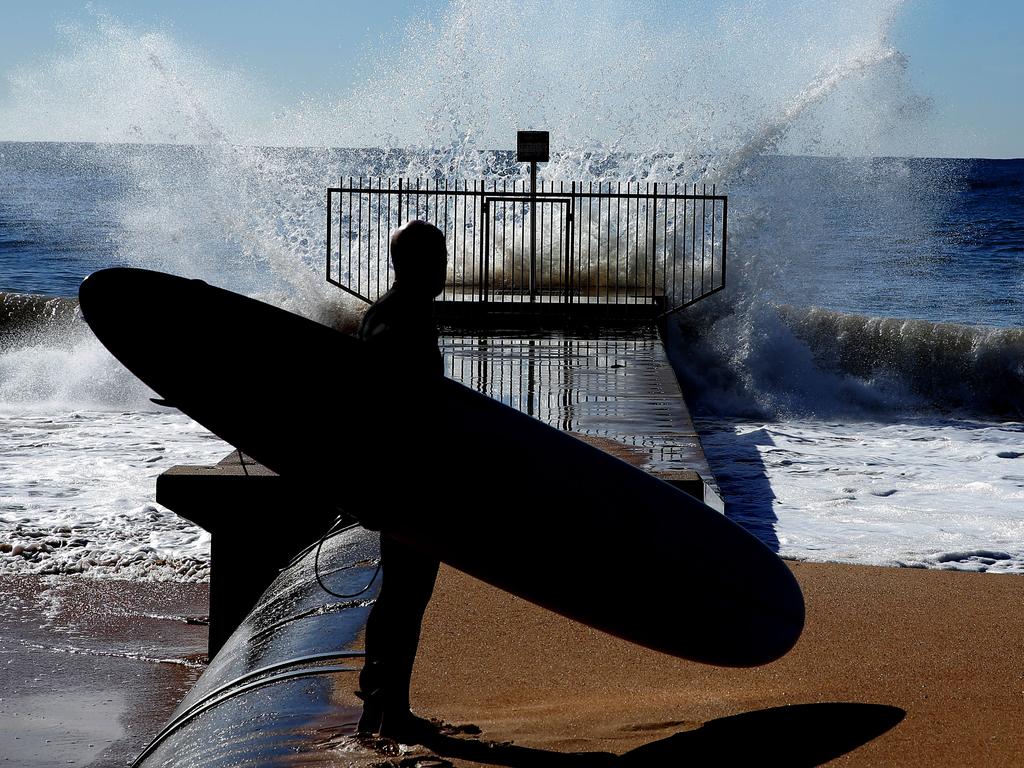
[{"x": 403, "y": 335}]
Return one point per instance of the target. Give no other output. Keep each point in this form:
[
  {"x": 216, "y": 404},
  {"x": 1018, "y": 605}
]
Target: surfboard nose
[
  {"x": 112, "y": 289},
  {"x": 120, "y": 303},
  {"x": 101, "y": 297},
  {"x": 104, "y": 294}
]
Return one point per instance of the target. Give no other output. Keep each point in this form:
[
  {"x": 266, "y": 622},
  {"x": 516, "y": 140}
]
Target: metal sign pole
[
  {"x": 532, "y": 147},
  {"x": 533, "y": 230}
]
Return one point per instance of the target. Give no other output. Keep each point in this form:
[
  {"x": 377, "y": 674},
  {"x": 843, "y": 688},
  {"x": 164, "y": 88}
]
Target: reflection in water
[{"x": 618, "y": 386}]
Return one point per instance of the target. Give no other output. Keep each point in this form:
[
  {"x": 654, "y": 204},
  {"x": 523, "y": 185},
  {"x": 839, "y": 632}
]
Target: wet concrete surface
[
  {"x": 606, "y": 385},
  {"x": 285, "y": 681},
  {"x": 93, "y": 668}
]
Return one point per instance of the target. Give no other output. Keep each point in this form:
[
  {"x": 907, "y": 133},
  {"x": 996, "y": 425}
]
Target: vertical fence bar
[
  {"x": 664, "y": 253},
  {"x": 619, "y": 231},
  {"x": 359, "y": 236},
  {"x": 377, "y": 238},
  {"x": 350, "y": 229},
  {"x": 570, "y": 226},
  {"x": 484, "y": 236},
  {"x": 578, "y": 288},
  {"x": 636, "y": 249},
  {"x": 387, "y": 261},
  {"x": 399, "y": 222},
  {"x": 628, "y": 232},
  {"x": 455, "y": 247},
  {"x": 551, "y": 242},
  {"x": 512, "y": 252},
  {"x": 642, "y": 273},
  {"x": 703, "y": 234},
  {"x": 681, "y": 254},
  {"x": 649, "y": 236},
  {"x": 693, "y": 246},
  {"x": 725, "y": 237},
  {"x": 590, "y": 244},
  {"x": 329, "y": 235},
  {"x": 714, "y": 217},
  {"x": 532, "y": 230},
  {"x": 478, "y": 218},
  {"x": 524, "y": 210},
  {"x": 570, "y": 245},
  {"x": 640, "y": 261},
  {"x": 504, "y": 245},
  {"x": 508, "y": 264},
  {"x": 489, "y": 256},
  {"x": 563, "y": 209},
  {"x": 540, "y": 297},
  {"x": 563, "y": 249},
  {"x": 675, "y": 229},
  {"x": 608, "y": 247},
  {"x": 654, "y": 246}
]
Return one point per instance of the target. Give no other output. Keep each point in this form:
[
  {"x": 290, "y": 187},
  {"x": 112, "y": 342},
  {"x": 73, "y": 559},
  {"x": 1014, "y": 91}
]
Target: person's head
[{"x": 420, "y": 257}]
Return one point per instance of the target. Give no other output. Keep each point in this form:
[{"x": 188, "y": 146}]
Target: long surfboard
[{"x": 485, "y": 488}]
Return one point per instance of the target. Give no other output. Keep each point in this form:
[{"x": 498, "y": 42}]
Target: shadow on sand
[{"x": 798, "y": 735}]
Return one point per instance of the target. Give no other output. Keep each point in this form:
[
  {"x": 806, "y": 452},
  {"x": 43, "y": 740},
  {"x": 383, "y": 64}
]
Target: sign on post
[{"x": 532, "y": 146}]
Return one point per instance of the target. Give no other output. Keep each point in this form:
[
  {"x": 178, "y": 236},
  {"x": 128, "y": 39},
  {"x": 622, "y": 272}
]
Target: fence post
[
  {"x": 329, "y": 236},
  {"x": 399, "y": 201},
  {"x": 533, "y": 230},
  {"x": 569, "y": 231},
  {"x": 484, "y": 244},
  {"x": 654, "y": 241}
]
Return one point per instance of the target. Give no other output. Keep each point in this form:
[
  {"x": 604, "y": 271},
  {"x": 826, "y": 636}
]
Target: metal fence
[{"x": 656, "y": 244}]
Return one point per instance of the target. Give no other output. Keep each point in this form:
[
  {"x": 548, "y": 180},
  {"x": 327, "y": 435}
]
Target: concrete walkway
[{"x": 612, "y": 388}]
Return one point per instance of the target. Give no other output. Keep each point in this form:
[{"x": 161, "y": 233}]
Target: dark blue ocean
[{"x": 925, "y": 238}]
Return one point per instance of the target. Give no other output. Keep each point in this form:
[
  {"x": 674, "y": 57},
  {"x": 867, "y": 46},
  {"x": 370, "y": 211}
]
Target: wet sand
[
  {"x": 93, "y": 669},
  {"x": 896, "y": 667}
]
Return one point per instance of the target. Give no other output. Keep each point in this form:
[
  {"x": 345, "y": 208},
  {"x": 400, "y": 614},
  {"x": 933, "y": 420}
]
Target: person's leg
[
  {"x": 392, "y": 635},
  {"x": 371, "y": 677}
]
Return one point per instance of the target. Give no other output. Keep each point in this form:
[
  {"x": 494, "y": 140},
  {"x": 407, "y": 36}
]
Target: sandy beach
[{"x": 895, "y": 667}]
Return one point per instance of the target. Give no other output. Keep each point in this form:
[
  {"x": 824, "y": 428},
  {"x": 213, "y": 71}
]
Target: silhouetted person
[{"x": 402, "y": 333}]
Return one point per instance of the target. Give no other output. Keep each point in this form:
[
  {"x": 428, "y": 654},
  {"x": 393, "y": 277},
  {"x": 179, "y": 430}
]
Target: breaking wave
[
  {"x": 786, "y": 361},
  {"x": 948, "y": 366}
]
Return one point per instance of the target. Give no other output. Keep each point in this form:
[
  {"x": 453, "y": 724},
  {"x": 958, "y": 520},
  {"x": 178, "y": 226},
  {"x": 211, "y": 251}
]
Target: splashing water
[{"x": 660, "y": 92}]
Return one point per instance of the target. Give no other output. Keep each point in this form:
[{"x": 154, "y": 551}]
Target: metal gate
[
  {"x": 521, "y": 268},
  {"x": 648, "y": 244}
]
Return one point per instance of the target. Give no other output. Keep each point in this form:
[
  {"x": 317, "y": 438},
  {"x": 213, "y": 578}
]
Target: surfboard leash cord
[
  {"x": 335, "y": 526},
  {"x": 338, "y": 524}
]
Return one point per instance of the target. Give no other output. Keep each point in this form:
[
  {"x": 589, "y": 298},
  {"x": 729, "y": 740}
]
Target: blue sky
[{"x": 967, "y": 58}]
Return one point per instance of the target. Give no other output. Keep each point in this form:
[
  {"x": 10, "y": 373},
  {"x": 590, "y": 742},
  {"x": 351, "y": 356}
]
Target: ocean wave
[
  {"x": 49, "y": 357},
  {"x": 22, "y": 313},
  {"x": 945, "y": 365},
  {"x": 764, "y": 360}
]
